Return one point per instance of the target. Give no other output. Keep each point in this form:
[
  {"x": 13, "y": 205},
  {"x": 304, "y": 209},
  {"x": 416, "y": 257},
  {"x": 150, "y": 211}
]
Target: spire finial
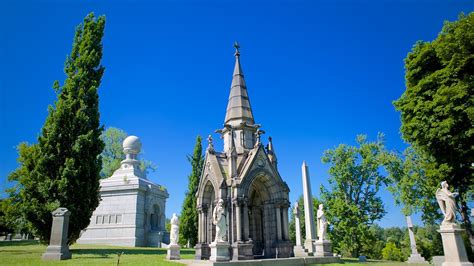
[{"x": 236, "y": 46}]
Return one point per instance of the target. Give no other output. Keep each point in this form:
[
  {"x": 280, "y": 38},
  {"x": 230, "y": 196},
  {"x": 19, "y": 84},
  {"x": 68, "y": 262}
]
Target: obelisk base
[
  {"x": 173, "y": 252},
  {"x": 416, "y": 258}
]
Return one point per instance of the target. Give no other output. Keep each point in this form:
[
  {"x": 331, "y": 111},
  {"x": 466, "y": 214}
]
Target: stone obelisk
[
  {"x": 308, "y": 211},
  {"x": 415, "y": 257}
]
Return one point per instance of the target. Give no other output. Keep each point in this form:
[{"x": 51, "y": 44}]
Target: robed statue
[
  {"x": 219, "y": 220},
  {"x": 322, "y": 223},
  {"x": 174, "y": 230},
  {"x": 447, "y": 203}
]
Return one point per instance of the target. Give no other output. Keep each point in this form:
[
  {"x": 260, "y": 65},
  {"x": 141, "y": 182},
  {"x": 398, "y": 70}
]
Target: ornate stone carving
[
  {"x": 447, "y": 203},
  {"x": 322, "y": 223},
  {"x": 174, "y": 230},
  {"x": 219, "y": 220}
]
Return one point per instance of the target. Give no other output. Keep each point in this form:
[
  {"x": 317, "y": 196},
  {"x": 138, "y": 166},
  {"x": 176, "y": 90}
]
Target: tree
[
  {"x": 62, "y": 169},
  {"x": 392, "y": 252},
  {"x": 437, "y": 109},
  {"x": 188, "y": 227},
  {"x": 351, "y": 202},
  {"x": 113, "y": 154}
]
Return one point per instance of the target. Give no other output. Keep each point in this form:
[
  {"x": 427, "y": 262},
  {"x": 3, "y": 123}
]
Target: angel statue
[
  {"x": 219, "y": 219},
  {"x": 447, "y": 203},
  {"x": 174, "y": 230}
]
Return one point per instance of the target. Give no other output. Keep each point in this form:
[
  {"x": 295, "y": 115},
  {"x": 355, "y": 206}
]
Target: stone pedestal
[
  {"x": 242, "y": 251},
  {"x": 323, "y": 248},
  {"x": 300, "y": 251},
  {"x": 58, "y": 248},
  {"x": 203, "y": 251},
  {"x": 173, "y": 252},
  {"x": 453, "y": 246},
  {"x": 219, "y": 251}
]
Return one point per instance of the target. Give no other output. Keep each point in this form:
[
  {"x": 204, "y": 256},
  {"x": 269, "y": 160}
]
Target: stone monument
[
  {"x": 309, "y": 243},
  {"x": 453, "y": 245},
  {"x": 245, "y": 176},
  {"x": 323, "y": 245},
  {"x": 298, "y": 250},
  {"x": 173, "y": 252},
  {"x": 58, "y": 248},
  {"x": 220, "y": 246},
  {"x": 132, "y": 208},
  {"x": 415, "y": 257}
]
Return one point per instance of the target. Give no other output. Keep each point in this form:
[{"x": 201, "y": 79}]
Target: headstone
[
  {"x": 415, "y": 257},
  {"x": 58, "y": 248},
  {"x": 362, "y": 259},
  {"x": 9, "y": 237},
  {"x": 308, "y": 211},
  {"x": 173, "y": 252},
  {"x": 453, "y": 245}
]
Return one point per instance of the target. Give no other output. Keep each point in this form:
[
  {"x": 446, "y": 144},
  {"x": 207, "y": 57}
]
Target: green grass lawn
[
  {"x": 29, "y": 253},
  {"x": 355, "y": 262}
]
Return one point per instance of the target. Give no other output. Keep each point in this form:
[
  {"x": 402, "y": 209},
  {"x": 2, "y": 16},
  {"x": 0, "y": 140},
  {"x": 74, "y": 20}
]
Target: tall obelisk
[{"x": 308, "y": 211}]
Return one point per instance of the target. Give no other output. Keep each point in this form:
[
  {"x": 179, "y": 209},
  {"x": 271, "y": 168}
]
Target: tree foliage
[
  {"x": 392, "y": 252},
  {"x": 62, "y": 169},
  {"x": 113, "y": 154},
  {"x": 188, "y": 227},
  {"x": 351, "y": 202},
  {"x": 437, "y": 113}
]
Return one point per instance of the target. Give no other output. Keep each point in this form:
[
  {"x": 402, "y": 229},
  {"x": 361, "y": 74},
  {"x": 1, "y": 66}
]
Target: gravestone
[
  {"x": 58, "y": 248},
  {"x": 415, "y": 257}
]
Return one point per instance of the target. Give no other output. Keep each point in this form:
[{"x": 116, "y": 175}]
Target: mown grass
[
  {"x": 355, "y": 262},
  {"x": 30, "y": 252}
]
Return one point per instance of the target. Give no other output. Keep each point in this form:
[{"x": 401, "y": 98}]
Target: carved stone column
[
  {"x": 238, "y": 219},
  {"x": 285, "y": 223},
  {"x": 246, "y": 221},
  {"x": 278, "y": 222},
  {"x": 205, "y": 222}
]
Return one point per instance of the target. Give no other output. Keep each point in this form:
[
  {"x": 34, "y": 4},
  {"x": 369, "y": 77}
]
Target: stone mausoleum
[
  {"x": 245, "y": 176},
  {"x": 132, "y": 210}
]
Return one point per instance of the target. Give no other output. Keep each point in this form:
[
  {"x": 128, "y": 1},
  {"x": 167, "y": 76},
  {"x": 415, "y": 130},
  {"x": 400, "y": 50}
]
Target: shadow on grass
[{"x": 19, "y": 243}]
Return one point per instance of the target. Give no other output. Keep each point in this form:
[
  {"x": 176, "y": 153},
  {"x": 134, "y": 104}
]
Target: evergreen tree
[
  {"x": 188, "y": 227},
  {"x": 62, "y": 169}
]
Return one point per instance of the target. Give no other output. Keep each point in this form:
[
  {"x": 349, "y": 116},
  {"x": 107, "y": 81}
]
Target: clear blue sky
[{"x": 318, "y": 74}]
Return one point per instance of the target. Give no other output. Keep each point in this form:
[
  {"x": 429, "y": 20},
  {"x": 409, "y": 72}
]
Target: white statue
[
  {"x": 447, "y": 203},
  {"x": 322, "y": 223},
  {"x": 174, "y": 230},
  {"x": 219, "y": 220}
]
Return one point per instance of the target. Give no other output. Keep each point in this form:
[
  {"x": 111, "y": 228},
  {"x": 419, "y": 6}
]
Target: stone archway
[
  {"x": 155, "y": 218},
  {"x": 207, "y": 229}
]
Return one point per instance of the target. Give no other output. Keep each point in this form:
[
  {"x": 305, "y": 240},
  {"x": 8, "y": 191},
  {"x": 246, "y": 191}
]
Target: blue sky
[{"x": 318, "y": 74}]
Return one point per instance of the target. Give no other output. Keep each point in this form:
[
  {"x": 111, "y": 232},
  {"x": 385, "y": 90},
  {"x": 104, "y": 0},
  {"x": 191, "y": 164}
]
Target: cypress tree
[
  {"x": 188, "y": 227},
  {"x": 62, "y": 169}
]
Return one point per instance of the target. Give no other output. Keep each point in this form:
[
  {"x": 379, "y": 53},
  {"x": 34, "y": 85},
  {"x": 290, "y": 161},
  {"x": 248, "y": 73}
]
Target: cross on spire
[{"x": 236, "y": 46}]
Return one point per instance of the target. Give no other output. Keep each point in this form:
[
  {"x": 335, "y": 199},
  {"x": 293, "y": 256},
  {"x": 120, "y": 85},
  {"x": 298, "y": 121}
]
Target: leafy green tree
[
  {"x": 392, "y": 252},
  {"x": 62, "y": 169},
  {"x": 352, "y": 203},
  {"x": 188, "y": 227},
  {"x": 437, "y": 110},
  {"x": 113, "y": 154}
]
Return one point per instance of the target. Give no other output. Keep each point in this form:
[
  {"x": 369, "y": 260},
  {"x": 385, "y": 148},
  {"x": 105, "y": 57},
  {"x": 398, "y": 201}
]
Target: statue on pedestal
[
  {"x": 219, "y": 220},
  {"x": 322, "y": 223},
  {"x": 174, "y": 234},
  {"x": 447, "y": 203}
]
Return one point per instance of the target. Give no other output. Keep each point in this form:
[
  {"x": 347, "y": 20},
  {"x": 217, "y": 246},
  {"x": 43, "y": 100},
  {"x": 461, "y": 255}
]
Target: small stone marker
[
  {"x": 362, "y": 259},
  {"x": 58, "y": 248}
]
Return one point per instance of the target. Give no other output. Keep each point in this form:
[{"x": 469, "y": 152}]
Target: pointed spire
[
  {"x": 238, "y": 107},
  {"x": 271, "y": 152}
]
